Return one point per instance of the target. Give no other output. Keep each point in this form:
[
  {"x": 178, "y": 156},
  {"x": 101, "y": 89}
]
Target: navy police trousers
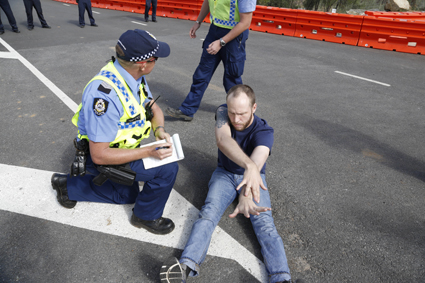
[
  {"x": 149, "y": 203},
  {"x": 233, "y": 56},
  {"x": 85, "y": 5}
]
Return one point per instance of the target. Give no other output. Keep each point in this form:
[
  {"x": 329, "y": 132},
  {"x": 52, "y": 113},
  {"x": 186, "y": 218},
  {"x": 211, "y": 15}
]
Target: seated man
[
  {"x": 115, "y": 115},
  {"x": 244, "y": 142}
]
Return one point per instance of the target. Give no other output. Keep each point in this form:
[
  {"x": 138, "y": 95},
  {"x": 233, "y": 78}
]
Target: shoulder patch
[
  {"x": 104, "y": 87},
  {"x": 100, "y": 106}
]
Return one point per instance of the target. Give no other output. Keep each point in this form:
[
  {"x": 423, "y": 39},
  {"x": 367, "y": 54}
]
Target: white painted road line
[
  {"x": 66, "y": 5},
  {"x": 59, "y": 93},
  {"x": 34, "y": 196},
  {"x": 95, "y": 12},
  {"x": 365, "y": 79},
  {"x": 134, "y": 22},
  {"x": 8, "y": 55}
]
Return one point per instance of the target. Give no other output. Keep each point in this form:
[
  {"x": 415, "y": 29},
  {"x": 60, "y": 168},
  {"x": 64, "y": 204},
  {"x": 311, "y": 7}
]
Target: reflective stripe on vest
[
  {"x": 224, "y": 13},
  {"x": 131, "y": 133},
  {"x": 120, "y": 86}
]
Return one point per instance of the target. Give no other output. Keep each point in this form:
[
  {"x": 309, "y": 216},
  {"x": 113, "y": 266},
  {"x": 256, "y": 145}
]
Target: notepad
[{"x": 151, "y": 162}]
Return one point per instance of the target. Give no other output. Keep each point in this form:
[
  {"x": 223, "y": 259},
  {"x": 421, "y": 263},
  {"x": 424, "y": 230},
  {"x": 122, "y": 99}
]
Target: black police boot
[
  {"x": 159, "y": 226},
  {"x": 59, "y": 184}
]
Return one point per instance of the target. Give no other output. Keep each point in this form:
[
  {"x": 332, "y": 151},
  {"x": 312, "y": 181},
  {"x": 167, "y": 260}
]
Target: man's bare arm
[
  {"x": 205, "y": 9},
  {"x": 229, "y": 147}
]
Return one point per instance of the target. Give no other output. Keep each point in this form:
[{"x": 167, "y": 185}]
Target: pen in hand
[{"x": 162, "y": 147}]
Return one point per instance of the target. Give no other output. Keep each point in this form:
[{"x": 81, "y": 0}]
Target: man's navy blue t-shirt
[{"x": 258, "y": 133}]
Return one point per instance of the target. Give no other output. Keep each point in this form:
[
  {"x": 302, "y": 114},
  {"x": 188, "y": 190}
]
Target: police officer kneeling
[{"x": 117, "y": 112}]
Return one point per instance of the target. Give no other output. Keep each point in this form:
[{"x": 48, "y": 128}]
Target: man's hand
[
  {"x": 160, "y": 134},
  {"x": 214, "y": 47},
  {"x": 252, "y": 180},
  {"x": 193, "y": 30},
  {"x": 247, "y": 207},
  {"x": 161, "y": 151}
]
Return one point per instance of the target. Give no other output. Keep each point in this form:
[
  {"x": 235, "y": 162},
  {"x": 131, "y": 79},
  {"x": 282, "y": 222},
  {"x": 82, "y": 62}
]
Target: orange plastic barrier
[
  {"x": 179, "y": 9},
  {"x": 274, "y": 20},
  {"x": 397, "y": 15},
  {"x": 134, "y": 6},
  {"x": 393, "y": 34},
  {"x": 338, "y": 28}
]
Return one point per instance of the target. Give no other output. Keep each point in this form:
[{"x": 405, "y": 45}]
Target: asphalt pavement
[{"x": 346, "y": 174}]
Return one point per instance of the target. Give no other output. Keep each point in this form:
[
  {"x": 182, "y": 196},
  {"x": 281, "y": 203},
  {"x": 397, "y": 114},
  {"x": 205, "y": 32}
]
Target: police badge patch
[{"x": 100, "y": 106}]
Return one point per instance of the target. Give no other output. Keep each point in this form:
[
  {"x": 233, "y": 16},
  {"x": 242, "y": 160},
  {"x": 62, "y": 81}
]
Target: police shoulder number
[{"x": 100, "y": 106}]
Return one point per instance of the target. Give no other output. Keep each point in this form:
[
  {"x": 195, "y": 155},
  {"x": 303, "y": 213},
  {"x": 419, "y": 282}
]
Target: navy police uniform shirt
[
  {"x": 102, "y": 108},
  {"x": 258, "y": 133}
]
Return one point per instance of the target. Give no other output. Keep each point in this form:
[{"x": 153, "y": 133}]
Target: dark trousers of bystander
[{"x": 4, "y": 4}]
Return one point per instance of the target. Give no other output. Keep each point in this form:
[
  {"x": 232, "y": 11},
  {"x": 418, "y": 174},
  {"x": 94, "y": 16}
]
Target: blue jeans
[
  {"x": 221, "y": 193},
  {"x": 232, "y": 55}
]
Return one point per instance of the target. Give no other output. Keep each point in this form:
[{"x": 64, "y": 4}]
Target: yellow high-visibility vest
[{"x": 132, "y": 126}]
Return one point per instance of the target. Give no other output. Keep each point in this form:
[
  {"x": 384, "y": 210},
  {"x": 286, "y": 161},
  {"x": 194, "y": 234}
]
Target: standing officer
[
  {"x": 28, "y": 9},
  {"x": 115, "y": 115},
  {"x": 225, "y": 42},
  {"x": 84, "y": 5},
  {"x": 4, "y": 4},
  {"x": 147, "y": 7}
]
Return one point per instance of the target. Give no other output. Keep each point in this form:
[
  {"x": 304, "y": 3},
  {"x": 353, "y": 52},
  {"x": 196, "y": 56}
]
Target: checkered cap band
[{"x": 146, "y": 56}]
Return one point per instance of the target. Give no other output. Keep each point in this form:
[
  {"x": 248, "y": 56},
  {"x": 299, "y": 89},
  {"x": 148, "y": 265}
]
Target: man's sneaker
[
  {"x": 292, "y": 281},
  {"x": 160, "y": 226},
  {"x": 176, "y": 113},
  {"x": 172, "y": 271},
  {"x": 59, "y": 184}
]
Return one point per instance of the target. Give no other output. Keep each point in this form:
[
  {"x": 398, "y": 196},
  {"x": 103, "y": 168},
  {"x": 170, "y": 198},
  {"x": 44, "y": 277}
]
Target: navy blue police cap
[{"x": 139, "y": 45}]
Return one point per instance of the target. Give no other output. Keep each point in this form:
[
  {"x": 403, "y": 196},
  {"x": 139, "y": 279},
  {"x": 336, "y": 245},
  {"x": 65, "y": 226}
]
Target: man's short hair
[{"x": 238, "y": 89}]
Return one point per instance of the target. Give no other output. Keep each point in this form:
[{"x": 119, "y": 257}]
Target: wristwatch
[
  {"x": 222, "y": 42},
  {"x": 198, "y": 22}
]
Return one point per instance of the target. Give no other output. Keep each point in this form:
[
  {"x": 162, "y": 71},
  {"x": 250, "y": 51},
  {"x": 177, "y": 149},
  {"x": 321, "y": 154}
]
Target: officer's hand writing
[
  {"x": 214, "y": 47},
  {"x": 193, "y": 30},
  {"x": 252, "y": 180},
  {"x": 161, "y": 151},
  {"x": 247, "y": 206},
  {"x": 162, "y": 135}
]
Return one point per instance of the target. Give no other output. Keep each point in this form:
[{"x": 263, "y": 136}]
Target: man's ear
[
  {"x": 142, "y": 65},
  {"x": 254, "y": 107}
]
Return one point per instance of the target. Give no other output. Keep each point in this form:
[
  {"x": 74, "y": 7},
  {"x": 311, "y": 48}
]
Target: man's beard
[{"x": 241, "y": 127}]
